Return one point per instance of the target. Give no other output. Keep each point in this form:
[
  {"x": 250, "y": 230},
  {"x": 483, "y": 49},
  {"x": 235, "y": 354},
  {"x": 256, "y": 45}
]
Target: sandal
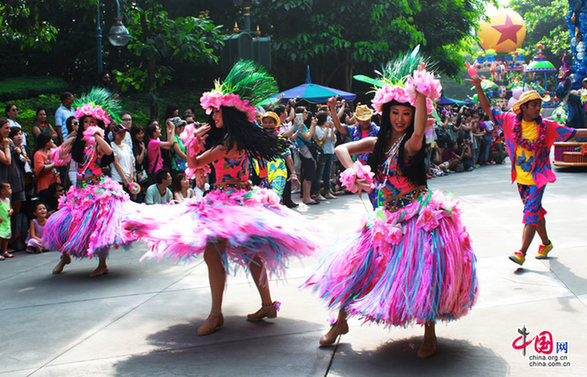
[
  {"x": 311, "y": 203},
  {"x": 2, "y": 257},
  {"x": 6, "y": 254},
  {"x": 267, "y": 310},
  {"x": 337, "y": 328}
]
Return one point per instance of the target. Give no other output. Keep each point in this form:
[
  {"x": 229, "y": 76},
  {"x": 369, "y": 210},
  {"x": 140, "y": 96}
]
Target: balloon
[
  {"x": 134, "y": 188},
  {"x": 580, "y": 55},
  {"x": 471, "y": 69}
]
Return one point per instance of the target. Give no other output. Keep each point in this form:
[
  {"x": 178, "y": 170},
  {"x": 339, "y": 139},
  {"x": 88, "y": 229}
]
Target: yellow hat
[
  {"x": 527, "y": 97},
  {"x": 272, "y": 115},
  {"x": 363, "y": 112}
]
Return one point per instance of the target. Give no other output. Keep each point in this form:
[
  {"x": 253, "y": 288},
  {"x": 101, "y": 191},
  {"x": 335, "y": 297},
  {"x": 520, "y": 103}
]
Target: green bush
[
  {"x": 27, "y": 109},
  {"x": 27, "y": 87}
]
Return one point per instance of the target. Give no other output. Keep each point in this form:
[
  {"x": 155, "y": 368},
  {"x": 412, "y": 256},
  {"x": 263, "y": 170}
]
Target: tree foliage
[
  {"x": 546, "y": 24},
  {"x": 157, "y": 41},
  {"x": 25, "y": 21}
]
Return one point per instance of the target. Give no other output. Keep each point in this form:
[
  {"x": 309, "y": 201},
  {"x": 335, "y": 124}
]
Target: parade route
[{"x": 141, "y": 318}]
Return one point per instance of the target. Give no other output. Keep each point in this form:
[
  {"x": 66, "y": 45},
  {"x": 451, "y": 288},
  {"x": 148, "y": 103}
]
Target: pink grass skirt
[
  {"x": 89, "y": 220},
  {"x": 412, "y": 265},
  {"x": 253, "y": 224}
]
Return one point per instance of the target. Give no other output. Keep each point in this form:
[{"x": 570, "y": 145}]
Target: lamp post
[{"x": 118, "y": 35}]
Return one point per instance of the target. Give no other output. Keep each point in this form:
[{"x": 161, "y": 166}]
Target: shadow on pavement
[
  {"x": 283, "y": 347},
  {"x": 399, "y": 358}
]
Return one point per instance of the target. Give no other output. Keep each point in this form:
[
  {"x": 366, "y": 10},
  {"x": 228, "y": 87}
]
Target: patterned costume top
[
  {"x": 393, "y": 190},
  {"x": 355, "y": 133},
  {"x": 540, "y": 165},
  {"x": 232, "y": 171},
  {"x": 90, "y": 171}
]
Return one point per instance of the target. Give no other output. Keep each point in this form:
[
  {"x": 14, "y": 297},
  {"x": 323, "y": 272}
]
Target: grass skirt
[
  {"x": 89, "y": 220},
  {"x": 413, "y": 265},
  {"x": 253, "y": 223}
]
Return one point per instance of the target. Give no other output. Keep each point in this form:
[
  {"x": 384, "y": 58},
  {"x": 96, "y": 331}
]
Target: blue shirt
[{"x": 61, "y": 116}]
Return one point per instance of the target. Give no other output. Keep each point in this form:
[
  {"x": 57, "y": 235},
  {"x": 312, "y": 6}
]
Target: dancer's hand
[{"x": 361, "y": 185}]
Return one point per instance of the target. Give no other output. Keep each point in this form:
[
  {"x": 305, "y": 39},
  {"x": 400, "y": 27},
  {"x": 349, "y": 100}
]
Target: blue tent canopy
[{"x": 443, "y": 101}]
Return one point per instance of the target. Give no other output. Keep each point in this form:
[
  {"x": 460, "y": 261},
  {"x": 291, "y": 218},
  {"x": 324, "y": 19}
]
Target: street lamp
[{"x": 118, "y": 34}]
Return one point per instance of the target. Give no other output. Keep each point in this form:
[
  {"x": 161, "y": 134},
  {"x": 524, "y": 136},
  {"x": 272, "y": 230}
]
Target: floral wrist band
[{"x": 349, "y": 177}]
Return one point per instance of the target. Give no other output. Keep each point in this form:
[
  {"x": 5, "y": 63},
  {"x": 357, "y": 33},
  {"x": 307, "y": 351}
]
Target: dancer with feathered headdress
[
  {"x": 235, "y": 222},
  {"x": 88, "y": 222},
  {"x": 411, "y": 259}
]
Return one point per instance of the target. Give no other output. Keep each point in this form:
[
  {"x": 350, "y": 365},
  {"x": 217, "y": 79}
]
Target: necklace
[
  {"x": 395, "y": 146},
  {"x": 525, "y": 143}
]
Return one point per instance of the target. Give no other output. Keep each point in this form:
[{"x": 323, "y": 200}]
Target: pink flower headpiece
[
  {"x": 95, "y": 111},
  {"x": 215, "y": 99},
  {"x": 421, "y": 81}
]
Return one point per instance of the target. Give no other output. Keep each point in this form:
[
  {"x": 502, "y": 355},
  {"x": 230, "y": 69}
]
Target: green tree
[
  {"x": 25, "y": 22},
  {"x": 158, "y": 40},
  {"x": 546, "y": 24},
  {"x": 344, "y": 37}
]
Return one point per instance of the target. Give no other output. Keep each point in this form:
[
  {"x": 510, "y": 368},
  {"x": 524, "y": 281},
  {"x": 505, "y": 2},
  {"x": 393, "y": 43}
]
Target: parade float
[{"x": 571, "y": 89}]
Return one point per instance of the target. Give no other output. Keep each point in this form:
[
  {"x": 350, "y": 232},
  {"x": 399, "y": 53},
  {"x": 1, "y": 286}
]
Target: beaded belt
[
  {"x": 229, "y": 185},
  {"x": 90, "y": 180},
  {"x": 399, "y": 201}
]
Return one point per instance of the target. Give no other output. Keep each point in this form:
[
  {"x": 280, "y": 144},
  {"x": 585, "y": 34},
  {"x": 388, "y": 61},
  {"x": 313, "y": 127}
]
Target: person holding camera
[{"x": 303, "y": 137}]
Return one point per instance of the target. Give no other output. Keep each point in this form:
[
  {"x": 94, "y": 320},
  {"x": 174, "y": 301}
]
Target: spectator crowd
[{"x": 150, "y": 160}]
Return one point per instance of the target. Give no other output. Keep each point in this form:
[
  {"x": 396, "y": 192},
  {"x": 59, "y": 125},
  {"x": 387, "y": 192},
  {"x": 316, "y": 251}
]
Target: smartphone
[{"x": 300, "y": 117}]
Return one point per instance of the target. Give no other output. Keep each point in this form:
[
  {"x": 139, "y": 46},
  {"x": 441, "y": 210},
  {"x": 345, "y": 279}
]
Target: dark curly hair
[
  {"x": 245, "y": 136},
  {"x": 414, "y": 169}
]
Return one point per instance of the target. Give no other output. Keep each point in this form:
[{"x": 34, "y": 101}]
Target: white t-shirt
[{"x": 124, "y": 155}]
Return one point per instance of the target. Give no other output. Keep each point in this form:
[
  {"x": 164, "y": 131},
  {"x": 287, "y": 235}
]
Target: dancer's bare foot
[
  {"x": 211, "y": 324},
  {"x": 99, "y": 271},
  {"x": 429, "y": 346},
  {"x": 339, "y": 327},
  {"x": 65, "y": 259}
]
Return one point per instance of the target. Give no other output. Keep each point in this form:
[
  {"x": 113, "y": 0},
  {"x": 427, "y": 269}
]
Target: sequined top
[
  {"x": 392, "y": 189},
  {"x": 90, "y": 171}
]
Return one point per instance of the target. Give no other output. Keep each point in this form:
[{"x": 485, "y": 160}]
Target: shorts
[
  {"x": 308, "y": 168},
  {"x": 18, "y": 196},
  {"x": 532, "y": 198}
]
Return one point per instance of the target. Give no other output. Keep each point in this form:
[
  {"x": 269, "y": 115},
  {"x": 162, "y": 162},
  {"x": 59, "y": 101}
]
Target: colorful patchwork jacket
[{"x": 541, "y": 170}]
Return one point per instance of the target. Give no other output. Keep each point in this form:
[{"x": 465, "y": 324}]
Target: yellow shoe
[
  {"x": 518, "y": 257},
  {"x": 543, "y": 250}
]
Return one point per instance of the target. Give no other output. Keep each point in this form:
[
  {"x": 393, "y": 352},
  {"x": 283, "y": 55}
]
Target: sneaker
[
  {"x": 518, "y": 257},
  {"x": 543, "y": 251}
]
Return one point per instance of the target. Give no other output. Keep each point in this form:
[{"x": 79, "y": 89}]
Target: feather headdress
[
  {"x": 400, "y": 79},
  {"x": 245, "y": 86},
  {"x": 100, "y": 104}
]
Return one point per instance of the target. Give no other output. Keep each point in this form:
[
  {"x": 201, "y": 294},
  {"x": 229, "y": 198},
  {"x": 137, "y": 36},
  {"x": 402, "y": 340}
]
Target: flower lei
[
  {"x": 525, "y": 143},
  {"x": 421, "y": 81},
  {"x": 90, "y": 132},
  {"x": 215, "y": 99},
  {"x": 349, "y": 177},
  {"x": 94, "y": 111}
]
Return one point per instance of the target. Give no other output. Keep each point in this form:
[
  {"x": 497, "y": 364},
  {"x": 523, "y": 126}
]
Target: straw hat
[
  {"x": 363, "y": 112},
  {"x": 527, "y": 97},
  {"x": 272, "y": 115}
]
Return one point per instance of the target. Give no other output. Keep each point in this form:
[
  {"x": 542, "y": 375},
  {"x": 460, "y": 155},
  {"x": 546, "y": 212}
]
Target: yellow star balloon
[{"x": 504, "y": 32}]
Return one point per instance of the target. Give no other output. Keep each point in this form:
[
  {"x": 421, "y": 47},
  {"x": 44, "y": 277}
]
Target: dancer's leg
[
  {"x": 541, "y": 229},
  {"x": 102, "y": 268},
  {"x": 65, "y": 259},
  {"x": 429, "y": 346},
  {"x": 217, "y": 278},
  {"x": 268, "y": 308},
  {"x": 338, "y": 328}
]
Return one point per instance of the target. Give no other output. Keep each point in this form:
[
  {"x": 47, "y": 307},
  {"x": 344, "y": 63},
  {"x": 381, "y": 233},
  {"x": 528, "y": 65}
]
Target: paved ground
[{"x": 141, "y": 319}]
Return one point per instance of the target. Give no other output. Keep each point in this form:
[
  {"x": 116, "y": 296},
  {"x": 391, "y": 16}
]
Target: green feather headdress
[
  {"x": 100, "y": 104},
  {"x": 245, "y": 86}
]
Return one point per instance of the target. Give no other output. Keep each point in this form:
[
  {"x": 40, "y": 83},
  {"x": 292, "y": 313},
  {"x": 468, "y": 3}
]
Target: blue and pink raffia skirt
[
  {"x": 89, "y": 220},
  {"x": 251, "y": 223},
  {"x": 412, "y": 265}
]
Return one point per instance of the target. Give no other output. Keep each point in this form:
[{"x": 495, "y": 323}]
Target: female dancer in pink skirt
[
  {"x": 235, "y": 222},
  {"x": 89, "y": 220},
  {"x": 411, "y": 260}
]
